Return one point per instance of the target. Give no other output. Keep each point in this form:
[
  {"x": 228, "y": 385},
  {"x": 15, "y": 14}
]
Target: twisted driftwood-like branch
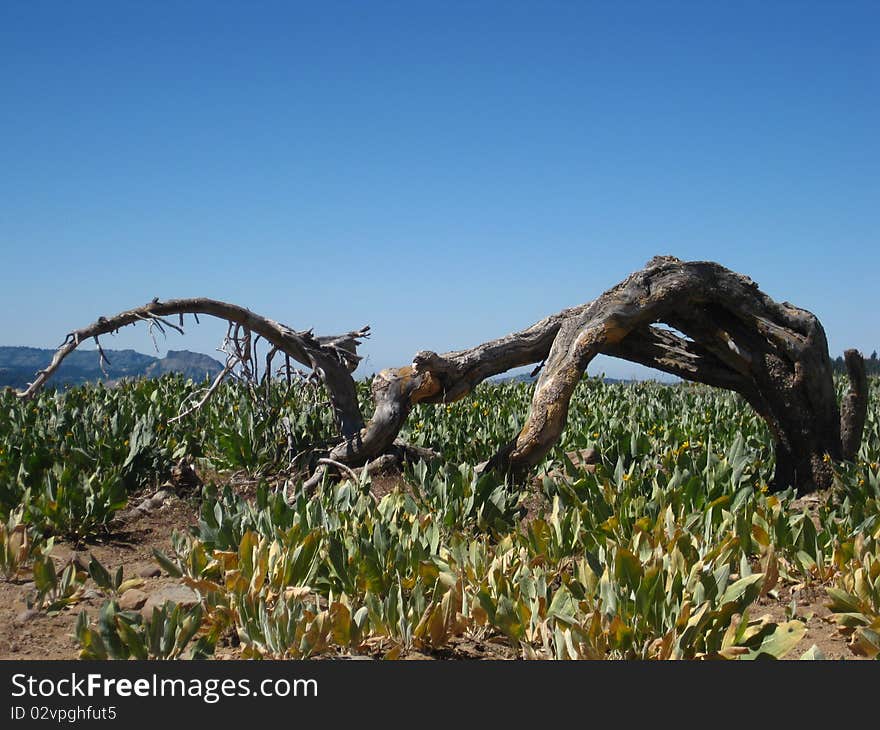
[
  {"x": 333, "y": 359},
  {"x": 735, "y": 337},
  {"x": 729, "y": 335}
]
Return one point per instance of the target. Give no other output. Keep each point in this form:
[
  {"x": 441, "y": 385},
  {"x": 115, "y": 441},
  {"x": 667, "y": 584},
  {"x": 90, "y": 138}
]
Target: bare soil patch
[{"x": 35, "y": 635}]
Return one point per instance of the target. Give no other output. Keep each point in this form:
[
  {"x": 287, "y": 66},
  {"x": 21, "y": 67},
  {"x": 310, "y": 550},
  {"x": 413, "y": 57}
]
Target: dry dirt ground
[{"x": 31, "y": 634}]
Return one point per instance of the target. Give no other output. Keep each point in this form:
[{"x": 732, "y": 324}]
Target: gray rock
[
  {"x": 157, "y": 500},
  {"x": 151, "y": 571},
  {"x": 27, "y": 615},
  {"x": 175, "y": 593},
  {"x": 132, "y": 599},
  {"x": 583, "y": 457}
]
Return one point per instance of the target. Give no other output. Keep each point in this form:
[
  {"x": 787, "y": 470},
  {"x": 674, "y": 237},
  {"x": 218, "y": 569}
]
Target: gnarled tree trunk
[
  {"x": 728, "y": 334},
  {"x": 735, "y": 337}
]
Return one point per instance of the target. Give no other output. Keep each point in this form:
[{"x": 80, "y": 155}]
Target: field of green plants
[{"x": 659, "y": 552}]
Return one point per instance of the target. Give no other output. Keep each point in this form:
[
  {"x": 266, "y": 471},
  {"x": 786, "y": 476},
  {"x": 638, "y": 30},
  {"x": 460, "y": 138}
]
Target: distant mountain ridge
[{"x": 18, "y": 365}]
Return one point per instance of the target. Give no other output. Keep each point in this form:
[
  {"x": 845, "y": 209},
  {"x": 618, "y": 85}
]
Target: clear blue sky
[{"x": 446, "y": 172}]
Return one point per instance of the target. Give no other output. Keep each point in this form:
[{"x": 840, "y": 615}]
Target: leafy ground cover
[{"x": 669, "y": 546}]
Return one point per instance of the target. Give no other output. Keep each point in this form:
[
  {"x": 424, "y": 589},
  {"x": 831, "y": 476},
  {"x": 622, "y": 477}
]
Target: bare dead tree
[
  {"x": 726, "y": 333},
  {"x": 332, "y": 359}
]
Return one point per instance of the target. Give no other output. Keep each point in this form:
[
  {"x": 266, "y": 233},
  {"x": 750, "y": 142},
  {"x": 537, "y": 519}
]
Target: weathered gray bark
[
  {"x": 854, "y": 409},
  {"x": 774, "y": 354},
  {"x": 332, "y": 358},
  {"x": 734, "y": 336}
]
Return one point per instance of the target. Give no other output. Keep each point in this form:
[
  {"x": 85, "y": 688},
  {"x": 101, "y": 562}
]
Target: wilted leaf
[{"x": 783, "y": 639}]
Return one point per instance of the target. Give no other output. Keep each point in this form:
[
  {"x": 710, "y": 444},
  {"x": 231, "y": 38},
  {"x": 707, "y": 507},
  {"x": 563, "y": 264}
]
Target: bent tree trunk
[
  {"x": 728, "y": 334},
  {"x": 735, "y": 337}
]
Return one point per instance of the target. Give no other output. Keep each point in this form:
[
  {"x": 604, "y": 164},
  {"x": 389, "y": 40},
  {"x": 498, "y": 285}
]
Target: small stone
[
  {"x": 27, "y": 615},
  {"x": 132, "y": 599},
  {"x": 92, "y": 594},
  {"x": 157, "y": 500},
  {"x": 151, "y": 571},
  {"x": 584, "y": 456},
  {"x": 175, "y": 593}
]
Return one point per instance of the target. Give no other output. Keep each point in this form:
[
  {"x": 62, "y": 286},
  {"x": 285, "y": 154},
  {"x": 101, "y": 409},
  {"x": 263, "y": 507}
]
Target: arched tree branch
[{"x": 332, "y": 358}]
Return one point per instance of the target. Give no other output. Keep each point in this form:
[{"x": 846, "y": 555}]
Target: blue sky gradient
[{"x": 446, "y": 172}]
